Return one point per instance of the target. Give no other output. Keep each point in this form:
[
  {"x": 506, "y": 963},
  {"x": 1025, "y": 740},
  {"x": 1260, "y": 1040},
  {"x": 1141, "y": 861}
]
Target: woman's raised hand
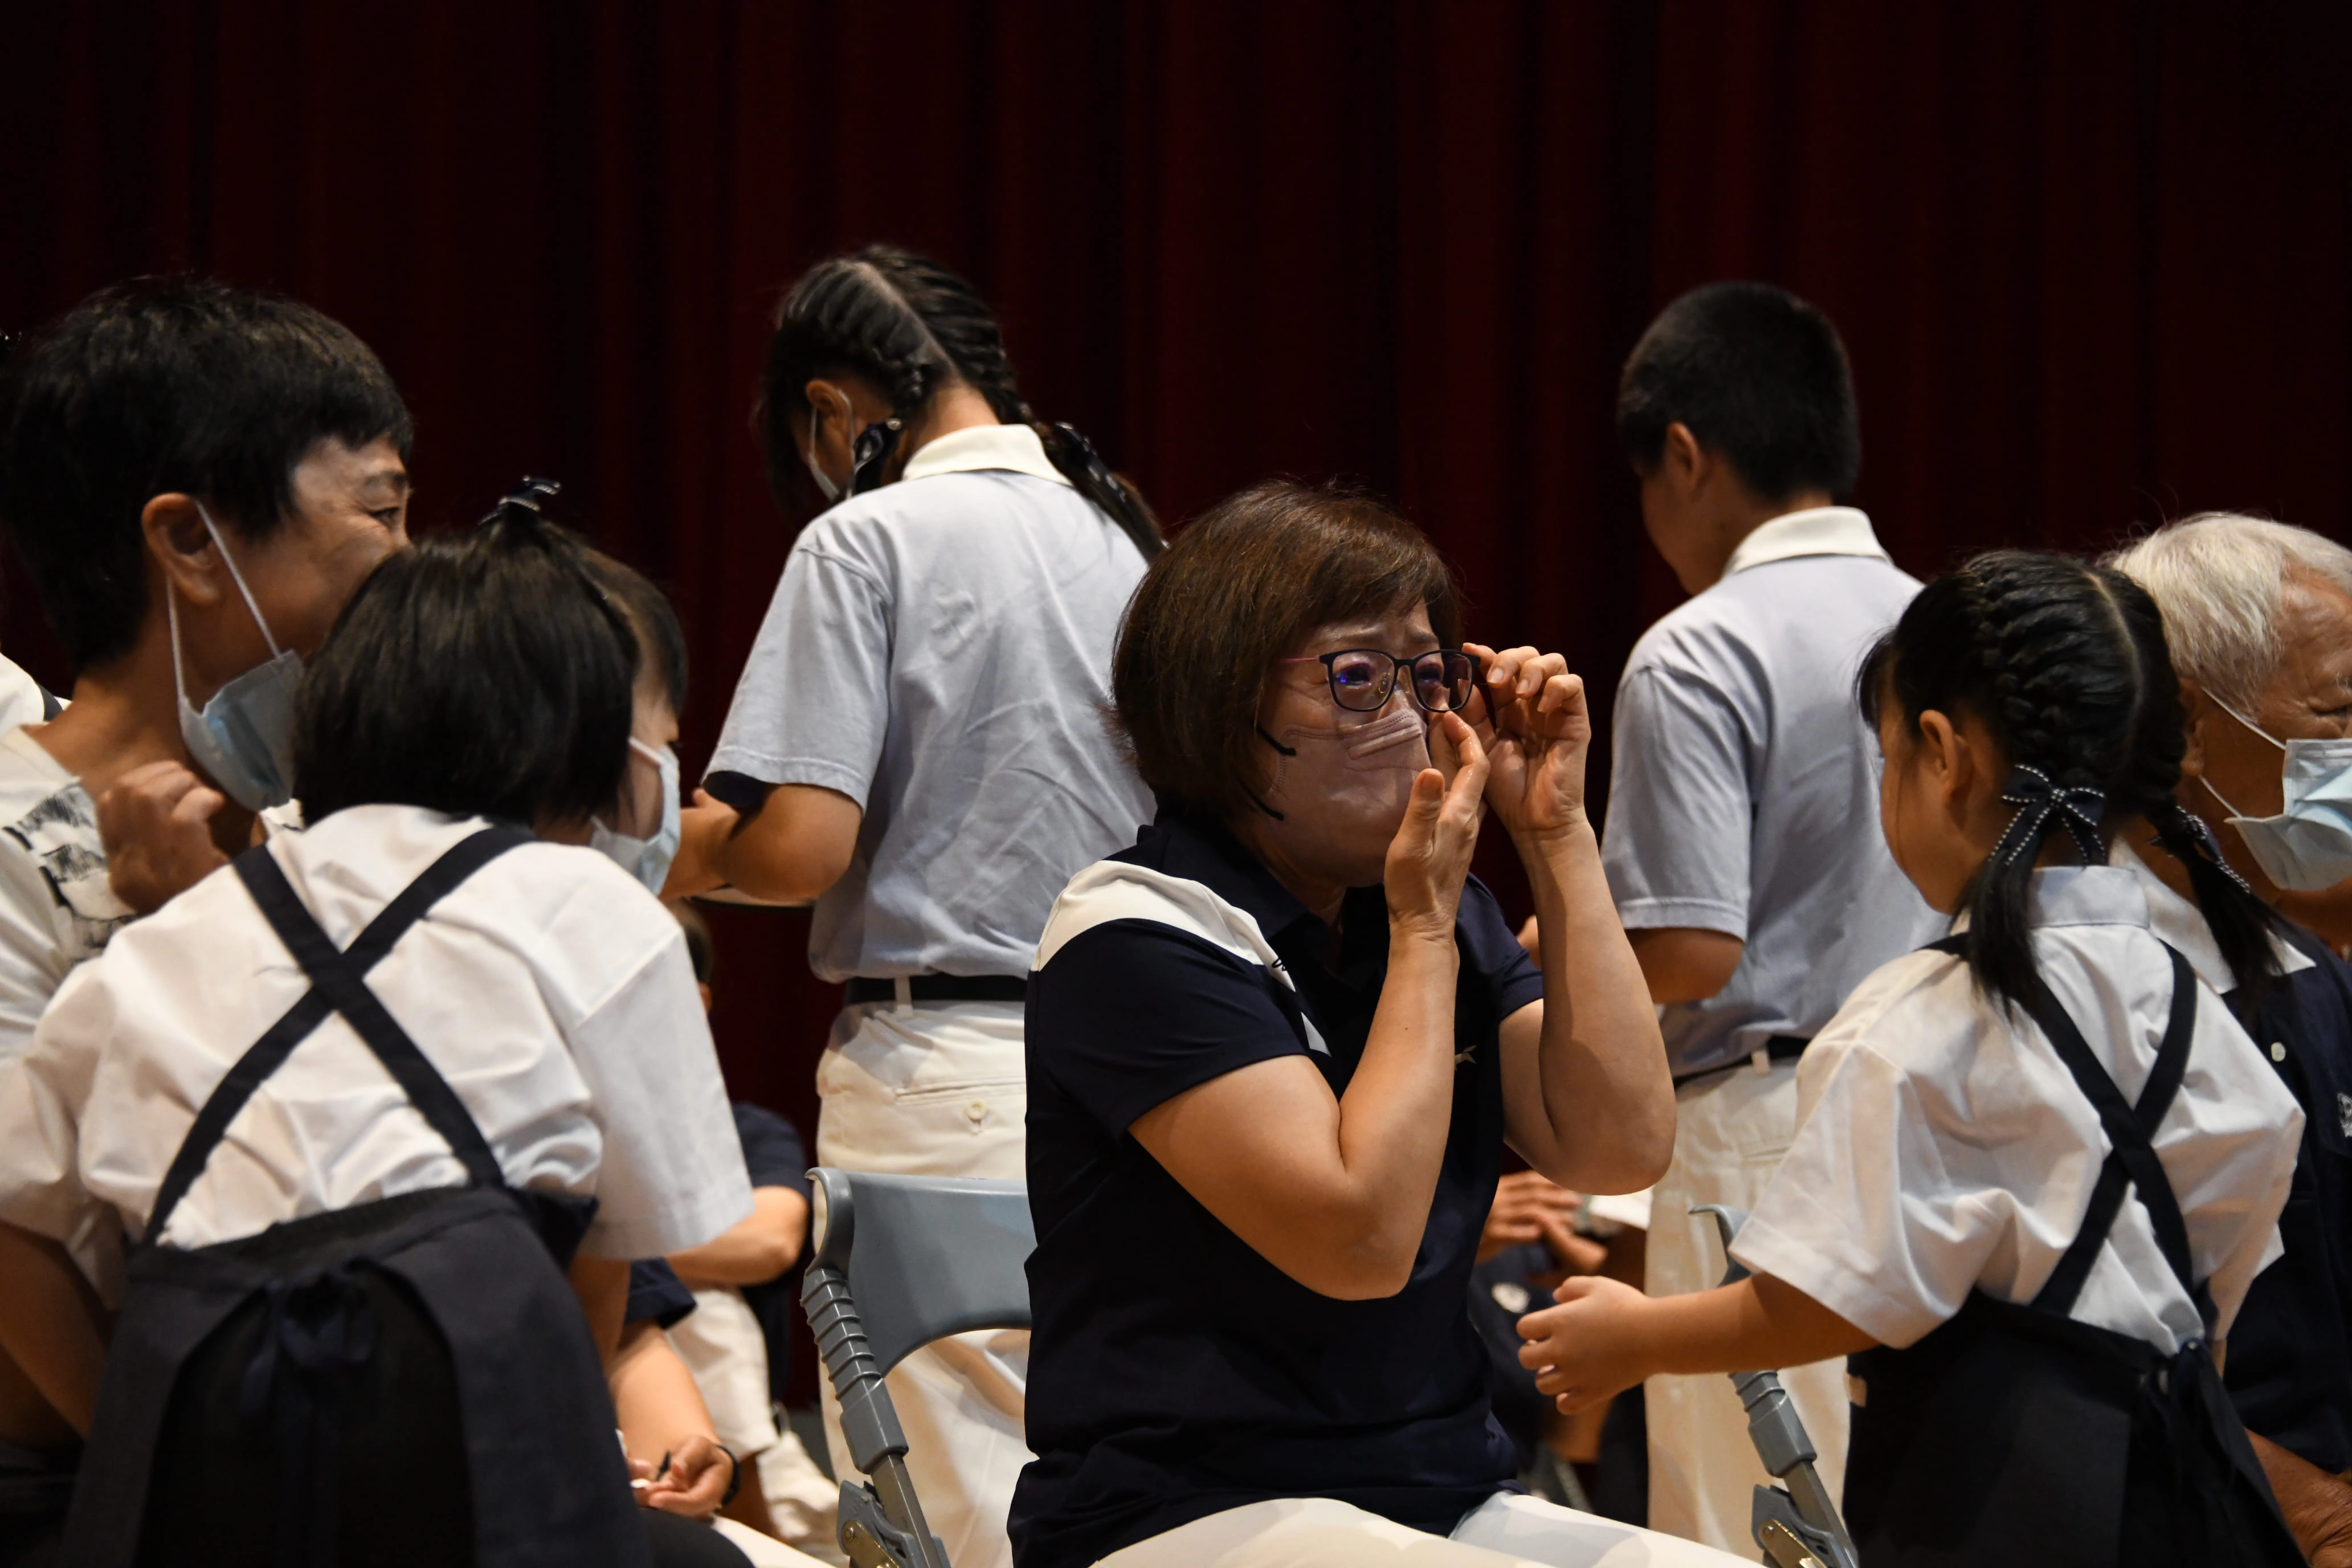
[
  {"x": 1538, "y": 732},
  {"x": 1429, "y": 856}
]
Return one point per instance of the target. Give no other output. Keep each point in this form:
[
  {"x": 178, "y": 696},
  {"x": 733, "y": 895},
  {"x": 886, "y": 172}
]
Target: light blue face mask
[
  {"x": 2308, "y": 846},
  {"x": 647, "y": 859},
  {"x": 244, "y": 738}
]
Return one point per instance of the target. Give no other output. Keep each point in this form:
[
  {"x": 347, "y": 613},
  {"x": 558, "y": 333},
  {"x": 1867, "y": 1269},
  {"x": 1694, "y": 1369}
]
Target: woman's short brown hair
[{"x": 1237, "y": 591}]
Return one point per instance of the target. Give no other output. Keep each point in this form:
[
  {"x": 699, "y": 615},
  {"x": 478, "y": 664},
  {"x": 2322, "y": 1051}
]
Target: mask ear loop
[
  {"x": 2206, "y": 779},
  {"x": 1284, "y": 750},
  {"x": 234, "y": 576}
]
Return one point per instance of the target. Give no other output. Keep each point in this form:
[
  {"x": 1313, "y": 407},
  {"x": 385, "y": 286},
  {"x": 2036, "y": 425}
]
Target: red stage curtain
[{"x": 2091, "y": 259}]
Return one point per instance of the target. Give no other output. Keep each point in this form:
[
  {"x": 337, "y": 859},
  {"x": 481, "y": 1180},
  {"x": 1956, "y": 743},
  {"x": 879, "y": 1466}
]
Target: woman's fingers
[
  {"x": 1562, "y": 693},
  {"x": 1443, "y": 752},
  {"x": 1468, "y": 781}
]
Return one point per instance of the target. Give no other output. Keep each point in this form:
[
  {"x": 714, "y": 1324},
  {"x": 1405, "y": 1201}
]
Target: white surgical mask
[
  {"x": 2308, "y": 845},
  {"x": 244, "y": 738},
  {"x": 647, "y": 859},
  {"x": 1341, "y": 789},
  {"x": 825, "y": 487}
]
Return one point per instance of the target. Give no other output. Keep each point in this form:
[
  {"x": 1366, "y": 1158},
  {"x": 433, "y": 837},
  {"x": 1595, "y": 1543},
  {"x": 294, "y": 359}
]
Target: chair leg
[{"x": 882, "y": 1524}]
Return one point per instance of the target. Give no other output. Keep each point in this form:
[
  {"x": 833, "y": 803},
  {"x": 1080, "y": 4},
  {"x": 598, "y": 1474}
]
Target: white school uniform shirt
[
  {"x": 1942, "y": 1145},
  {"x": 550, "y": 989},
  {"x": 21, "y": 698},
  {"x": 1743, "y": 793},
  {"x": 56, "y": 907},
  {"x": 939, "y": 651}
]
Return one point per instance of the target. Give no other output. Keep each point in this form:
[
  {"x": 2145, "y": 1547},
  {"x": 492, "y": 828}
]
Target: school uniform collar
[
  {"x": 1014, "y": 447},
  {"x": 2181, "y": 924},
  {"x": 1816, "y": 531},
  {"x": 2079, "y": 896}
]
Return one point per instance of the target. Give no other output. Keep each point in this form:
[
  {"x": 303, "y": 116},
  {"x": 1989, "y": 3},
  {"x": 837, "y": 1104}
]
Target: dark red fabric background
[{"x": 2094, "y": 260}]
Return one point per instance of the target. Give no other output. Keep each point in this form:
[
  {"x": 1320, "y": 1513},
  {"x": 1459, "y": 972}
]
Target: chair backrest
[{"x": 927, "y": 1256}]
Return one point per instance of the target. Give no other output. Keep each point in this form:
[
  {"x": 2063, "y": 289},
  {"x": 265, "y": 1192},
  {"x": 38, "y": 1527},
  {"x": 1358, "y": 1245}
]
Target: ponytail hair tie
[
  {"x": 2037, "y": 800},
  {"x": 527, "y": 496},
  {"x": 2202, "y": 844}
]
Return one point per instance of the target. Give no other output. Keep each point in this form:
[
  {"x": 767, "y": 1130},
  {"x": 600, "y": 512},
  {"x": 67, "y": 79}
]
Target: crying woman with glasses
[{"x": 1275, "y": 1049}]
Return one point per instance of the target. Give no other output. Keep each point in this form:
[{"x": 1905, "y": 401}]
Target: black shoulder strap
[
  {"x": 2131, "y": 1160},
  {"x": 337, "y": 978}
]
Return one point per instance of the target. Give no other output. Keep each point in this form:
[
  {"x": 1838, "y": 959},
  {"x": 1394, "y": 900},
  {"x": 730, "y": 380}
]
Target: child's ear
[{"x": 1946, "y": 753}]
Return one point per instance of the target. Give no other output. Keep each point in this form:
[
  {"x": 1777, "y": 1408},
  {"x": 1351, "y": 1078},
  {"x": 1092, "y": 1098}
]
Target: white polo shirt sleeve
[
  {"x": 672, "y": 1173},
  {"x": 1680, "y": 814},
  {"x": 814, "y": 703}
]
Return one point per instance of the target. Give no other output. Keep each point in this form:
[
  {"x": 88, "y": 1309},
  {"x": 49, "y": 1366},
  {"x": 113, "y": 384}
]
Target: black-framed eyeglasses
[{"x": 1363, "y": 678}]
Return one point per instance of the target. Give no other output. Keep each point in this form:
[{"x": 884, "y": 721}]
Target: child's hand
[
  {"x": 156, "y": 824},
  {"x": 1591, "y": 1345},
  {"x": 691, "y": 1479}
]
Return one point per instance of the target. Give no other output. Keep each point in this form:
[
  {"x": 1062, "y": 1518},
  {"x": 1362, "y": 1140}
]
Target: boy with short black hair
[
  {"x": 1743, "y": 845},
  {"x": 196, "y": 478}
]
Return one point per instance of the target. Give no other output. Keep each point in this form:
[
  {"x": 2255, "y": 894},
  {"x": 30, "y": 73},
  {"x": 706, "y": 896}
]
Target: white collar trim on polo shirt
[
  {"x": 1009, "y": 446},
  {"x": 1816, "y": 531}
]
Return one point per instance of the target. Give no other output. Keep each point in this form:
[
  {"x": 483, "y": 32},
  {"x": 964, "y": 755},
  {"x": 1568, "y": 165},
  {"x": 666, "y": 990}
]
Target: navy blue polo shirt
[
  {"x": 1173, "y": 1372},
  {"x": 2290, "y": 1362}
]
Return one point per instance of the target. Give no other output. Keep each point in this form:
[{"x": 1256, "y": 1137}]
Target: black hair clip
[
  {"x": 873, "y": 449},
  {"x": 528, "y": 495}
]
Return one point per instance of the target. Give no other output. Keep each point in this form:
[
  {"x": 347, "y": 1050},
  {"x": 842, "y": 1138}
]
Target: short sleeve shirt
[
  {"x": 56, "y": 907},
  {"x": 550, "y": 989},
  {"x": 1743, "y": 793},
  {"x": 2290, "y": 1362},
  {"x": 1942, "y": 1146},
  {"x": 655, "y": 1292},
  {"x": 1175, "y": 1372},
  {"x": 773, "y": 1152},
  {"x": 939, "y": 651}
]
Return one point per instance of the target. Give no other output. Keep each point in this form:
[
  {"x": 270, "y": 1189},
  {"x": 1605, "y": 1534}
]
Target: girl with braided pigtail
[
  {"x": 916, "y": 747},
  {"x": 2039, "y": 1163}
]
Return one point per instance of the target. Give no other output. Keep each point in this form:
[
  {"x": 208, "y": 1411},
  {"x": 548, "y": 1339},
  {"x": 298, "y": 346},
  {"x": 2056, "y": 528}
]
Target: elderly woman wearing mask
[
  {"x": 2259, "y": 617},
  {"x": 1275, "y": 1049}
]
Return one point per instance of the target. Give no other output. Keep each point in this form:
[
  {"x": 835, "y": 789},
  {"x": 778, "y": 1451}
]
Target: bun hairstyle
[
  {"x": 910, "y": 326},
  {"x": 2066, "y": 664},
  {"x": 480, "y": 674}
]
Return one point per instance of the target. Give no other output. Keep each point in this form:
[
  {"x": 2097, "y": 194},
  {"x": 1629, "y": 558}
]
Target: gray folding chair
[
  {"x": 896, "y": 1262},
  {"x": 1799, "y": 1528}
]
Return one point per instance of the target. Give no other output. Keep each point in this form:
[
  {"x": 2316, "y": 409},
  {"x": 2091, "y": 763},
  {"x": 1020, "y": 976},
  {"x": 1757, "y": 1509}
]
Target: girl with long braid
[
  {"x": 2039, "y": 1162},
  {"x": 917, "y": 745}
]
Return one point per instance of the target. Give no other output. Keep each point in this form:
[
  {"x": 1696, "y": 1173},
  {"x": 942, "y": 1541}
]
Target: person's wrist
[
  {"x": 1432, "y": 929},
  {"x": 1573, "y": 829}
]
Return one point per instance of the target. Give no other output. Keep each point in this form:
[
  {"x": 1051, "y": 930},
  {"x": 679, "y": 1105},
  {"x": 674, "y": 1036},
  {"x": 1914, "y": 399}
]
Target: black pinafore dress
[
  {"x": 2014, "y": 1435},
  {"x": 408, "y": 1381}
]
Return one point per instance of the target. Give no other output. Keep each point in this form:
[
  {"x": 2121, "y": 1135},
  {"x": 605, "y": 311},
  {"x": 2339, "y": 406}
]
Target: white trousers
[
  {"x": 1505, "y": 1532},
  {"x": 940, "y": 1089},
  {"x": 1733, "y": 1129}
]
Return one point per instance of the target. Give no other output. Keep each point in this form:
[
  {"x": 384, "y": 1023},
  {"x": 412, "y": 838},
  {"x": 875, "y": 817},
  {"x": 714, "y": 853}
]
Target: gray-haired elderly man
[{"x": 2259, "y": 616}]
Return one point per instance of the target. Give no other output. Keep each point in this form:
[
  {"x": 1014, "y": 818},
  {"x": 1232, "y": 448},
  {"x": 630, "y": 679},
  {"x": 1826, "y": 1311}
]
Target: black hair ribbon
[
  {"x": 2037, "y": 800},
  {"x": 2201, "y": 842}
]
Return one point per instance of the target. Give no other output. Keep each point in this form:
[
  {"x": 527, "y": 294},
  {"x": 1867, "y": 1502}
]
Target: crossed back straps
[
  {"x": 2131, "y": 1163},
  {"x": 338, "y": 985}
]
